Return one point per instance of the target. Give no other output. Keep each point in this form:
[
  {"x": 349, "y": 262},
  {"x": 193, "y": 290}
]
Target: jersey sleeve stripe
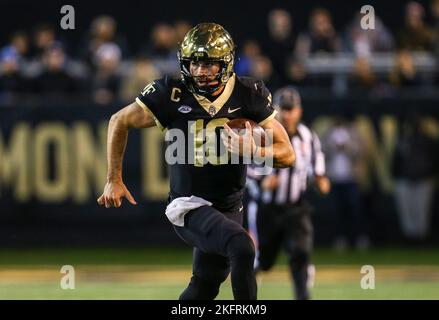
[
  {"x": 268, "y": 119},
  {"x": 147, "y": 110}
]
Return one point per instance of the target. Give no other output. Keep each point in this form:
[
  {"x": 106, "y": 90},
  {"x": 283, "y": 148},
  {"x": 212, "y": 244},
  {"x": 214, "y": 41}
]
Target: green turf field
[{"x": 162, "y": 273}]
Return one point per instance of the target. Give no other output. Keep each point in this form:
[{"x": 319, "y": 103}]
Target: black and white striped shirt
[{"x": 292, "y": 182}]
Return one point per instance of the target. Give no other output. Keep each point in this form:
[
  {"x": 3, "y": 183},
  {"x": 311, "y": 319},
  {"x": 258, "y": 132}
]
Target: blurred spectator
[
  {"x": 245, "y": 58},
  {"x": 321, "y": 36},
  {"x": 416, "y": 35},
  {"x": 20, "y": 42},
  {"x": 44, "y": 39},
  {"x": 103, "y": 30},
  {"x": 404, "y": 72},
  {"x": 163, "y": 41},
  {"x": 11, "y": 80},
  {"x": 181, "y": 28},
  {"x": 343, "y": 149},
  {"x": 162, "y": 49},
  {"x": 55, "y": 80},
  {"x": 362, "y": 77},
  {"x": 262, "y": 69},
  {"x": 365, "y": 42},
  {"x": 12, "y": 58},
  {"x": 414, "y": 165},
  {"x": 280, "y": 43},
  {"x": 435, "y": 13},
  {"x": 139, "y": 76},
  {"x": 296, "y": 72},
  {"x": 106, "y": 81}
]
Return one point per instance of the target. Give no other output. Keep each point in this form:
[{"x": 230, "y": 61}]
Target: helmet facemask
[{"x": 223, "y": 75}]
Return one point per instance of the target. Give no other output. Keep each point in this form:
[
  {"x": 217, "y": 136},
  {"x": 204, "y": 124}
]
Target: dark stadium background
[{"x": 247, "y": 19}]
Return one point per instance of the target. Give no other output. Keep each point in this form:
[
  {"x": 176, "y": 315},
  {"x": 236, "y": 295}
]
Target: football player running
[{"x": 205, "y": 198}]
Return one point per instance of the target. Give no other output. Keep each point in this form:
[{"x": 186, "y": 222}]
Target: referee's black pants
[{"x": 289, "y": 227}]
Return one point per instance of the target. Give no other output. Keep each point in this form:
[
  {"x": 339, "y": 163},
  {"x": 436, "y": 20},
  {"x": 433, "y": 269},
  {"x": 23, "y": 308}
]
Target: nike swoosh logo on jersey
[{"x": 233, "y": 110}]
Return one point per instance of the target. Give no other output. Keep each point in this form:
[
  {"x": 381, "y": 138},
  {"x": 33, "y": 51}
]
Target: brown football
[{"x": 258, "y": 131}]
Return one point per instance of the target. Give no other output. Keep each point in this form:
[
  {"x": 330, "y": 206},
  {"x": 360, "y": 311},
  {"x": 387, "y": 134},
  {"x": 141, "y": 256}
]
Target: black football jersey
[{"x": 173, "y": 106}]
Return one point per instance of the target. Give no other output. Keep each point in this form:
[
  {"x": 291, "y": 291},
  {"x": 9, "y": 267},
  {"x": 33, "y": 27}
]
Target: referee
[{"x": 278, "y": 215}]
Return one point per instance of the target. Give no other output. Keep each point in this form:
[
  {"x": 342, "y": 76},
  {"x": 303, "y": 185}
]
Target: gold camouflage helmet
[{"x": 208, "y": 42}]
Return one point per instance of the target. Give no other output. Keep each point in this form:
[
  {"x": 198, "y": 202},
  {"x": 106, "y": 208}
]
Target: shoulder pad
[{"x": 255, "y": 85}]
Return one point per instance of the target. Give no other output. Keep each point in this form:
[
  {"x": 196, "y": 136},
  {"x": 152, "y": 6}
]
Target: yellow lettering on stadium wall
[
  {"x": 321, "y": 125},
  {"x": 14, "y": 162},
  {"x": 90, "y": 161},
  {"x": 56, "y": 188},
  {"x": 430, "y": 126},
  {"x": 378, "y": 156},
  {"x": 377, "y": 153},
  {"x": 154, "y": 185}
]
